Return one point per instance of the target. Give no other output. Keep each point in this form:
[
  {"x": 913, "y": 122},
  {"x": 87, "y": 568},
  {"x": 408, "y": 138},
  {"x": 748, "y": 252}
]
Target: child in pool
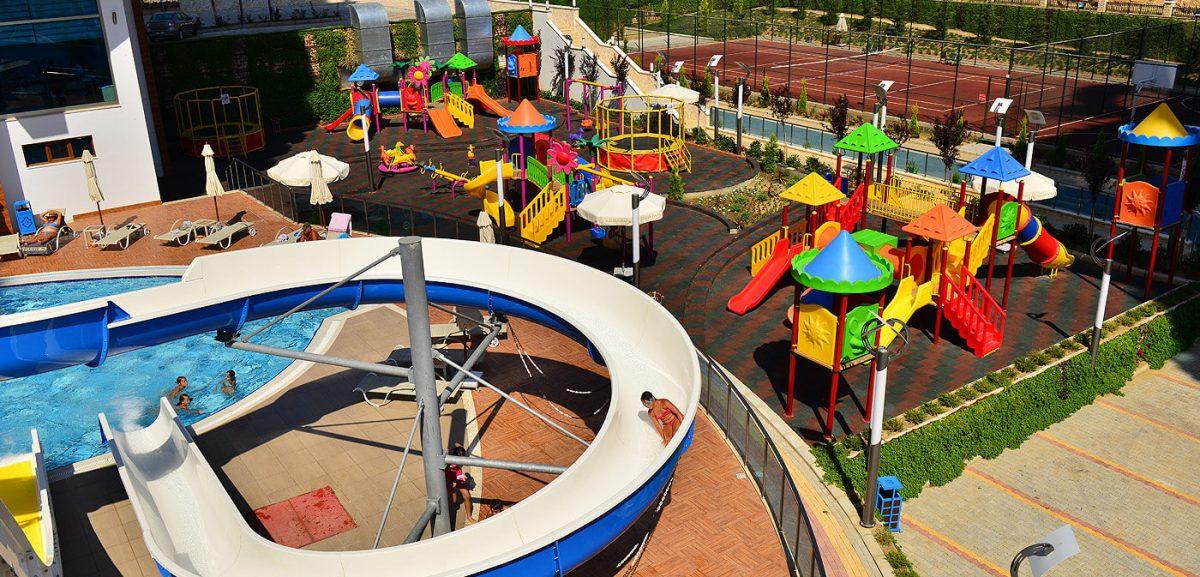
[
  {"x": 185, "y": 405},
  {"x": 229, "y": 383}
]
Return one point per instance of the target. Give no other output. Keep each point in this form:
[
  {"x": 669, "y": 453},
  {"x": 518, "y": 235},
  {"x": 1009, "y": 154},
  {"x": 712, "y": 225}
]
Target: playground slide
[
  {"x": 443, "y": 123},
  {"x": 768, "y": 276},
  {"x": 27, "y": 532},
  {"x": 1041, "y": 247},
  {"x": 192, "y": 527},
  {"x": 336, "y": 123},
  {"x": 476, "y": 93},
  {"x": 909, "y": 297},
  {"x": 478, "y": 187}
]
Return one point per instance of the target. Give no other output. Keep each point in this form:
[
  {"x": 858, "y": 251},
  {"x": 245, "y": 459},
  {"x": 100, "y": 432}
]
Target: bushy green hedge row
[{"x": 937, "y": 452}]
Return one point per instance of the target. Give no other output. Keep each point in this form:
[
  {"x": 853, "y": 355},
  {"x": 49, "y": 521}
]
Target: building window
[
  {"x": 52, "y": 55},
  {"x": 52, "y": 151}
]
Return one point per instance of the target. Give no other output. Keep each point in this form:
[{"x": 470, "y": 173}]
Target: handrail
[
  {"x": 460, "y": 109},
  {"x": 536, "y": 218},
  {"x": 810, "y": 563},
  {"x": 762, "y": 250}
]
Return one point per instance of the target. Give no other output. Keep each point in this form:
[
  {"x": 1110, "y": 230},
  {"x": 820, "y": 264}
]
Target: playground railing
[
  {"x": 727, "y": 407},
  {"x": 538, "y": 219},
  {"x": 460, "y": 109},
  {"x": 761, "y": 252},
  {"x": 906, "y": 203},
  {"x": 982, "y": 306}
]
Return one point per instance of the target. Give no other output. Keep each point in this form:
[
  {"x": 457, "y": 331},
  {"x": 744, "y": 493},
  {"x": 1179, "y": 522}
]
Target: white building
[{"x": 72, "y": 78}]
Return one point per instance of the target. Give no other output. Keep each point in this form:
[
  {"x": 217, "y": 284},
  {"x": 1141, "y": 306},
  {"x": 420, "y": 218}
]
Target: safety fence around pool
[{"x": 727, "y": 407}]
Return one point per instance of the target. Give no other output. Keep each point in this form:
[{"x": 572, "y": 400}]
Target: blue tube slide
[{"x": 389, "y": 98}]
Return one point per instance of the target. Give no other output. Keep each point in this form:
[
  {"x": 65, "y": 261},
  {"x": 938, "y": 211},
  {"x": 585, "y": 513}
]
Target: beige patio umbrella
[
  {"x": 93, "y": 184},
  {"x": 313, "y": 170},
  {"x": 487, "y": 233},
  {"x": 320, "y": 194},
  {"x": 212, "y": 183}
]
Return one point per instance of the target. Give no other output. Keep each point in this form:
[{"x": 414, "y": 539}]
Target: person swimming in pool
[
  {"x": 181, "y": 383},
  {"x": 185, "y": 404},
  {"x": 664, "y": 415},
  {"x": 229, "y": 383}
]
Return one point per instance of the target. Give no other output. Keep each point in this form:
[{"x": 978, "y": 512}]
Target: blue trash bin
[
  {"x": 888, "y": 502},
  {"x": 26, "y": 222}
]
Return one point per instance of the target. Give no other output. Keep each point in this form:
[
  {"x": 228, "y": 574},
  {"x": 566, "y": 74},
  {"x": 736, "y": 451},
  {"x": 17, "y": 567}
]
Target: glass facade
[{"x": 52, "y": 55}]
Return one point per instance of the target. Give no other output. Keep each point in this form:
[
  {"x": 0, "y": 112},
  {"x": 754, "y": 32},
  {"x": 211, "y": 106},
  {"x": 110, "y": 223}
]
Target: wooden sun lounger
[
  {"x": 223, "y": 236},
  {"x": 123, "y": 235},
  {"x": 185, "y": 231}
]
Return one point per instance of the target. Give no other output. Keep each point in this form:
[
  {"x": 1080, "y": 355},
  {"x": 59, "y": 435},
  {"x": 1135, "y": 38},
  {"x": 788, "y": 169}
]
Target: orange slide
[
  {"x": 443, "y": 123},
  {"x": 476, "y": 93}
]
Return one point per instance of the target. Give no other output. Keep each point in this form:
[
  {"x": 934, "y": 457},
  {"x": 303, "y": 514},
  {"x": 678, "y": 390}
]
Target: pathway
[{"x": 1121, "y": 471}]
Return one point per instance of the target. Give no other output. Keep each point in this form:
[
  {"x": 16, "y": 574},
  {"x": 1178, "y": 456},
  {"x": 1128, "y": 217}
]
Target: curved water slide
[{"x": 190, "y": 524}]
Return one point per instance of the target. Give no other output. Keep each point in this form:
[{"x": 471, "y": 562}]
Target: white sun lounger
[
  {"x": 121, "y": 236},
  {"x": 223, "y": 236},
  {"x": 288, "y": 236},
  {"x": 185, "y": 231},
  {"x": 11, "y": 244},
  {"x": 389, "y": 387}
]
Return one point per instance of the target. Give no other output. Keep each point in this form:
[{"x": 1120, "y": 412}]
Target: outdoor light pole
[
  {"x": 500, "y": 190},
  {"x": 637, "y": 237},
  {"x": 881, "y": 93},
  {"x": 883, "y": 355},
  {"x": 1105, "y": 280},
  {"x": 1036, "y": 550},
  {"x": 1034, "y": 119},
  {"x": 716, "y": 106},
  {"x": 741, "y": 90},
  {"x": 367, "y": 151}
]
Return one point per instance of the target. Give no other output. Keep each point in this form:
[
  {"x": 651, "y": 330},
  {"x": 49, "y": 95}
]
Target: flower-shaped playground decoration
[
  {"x": 419, "y": 73},
  {"x": 560, "y": 156}
]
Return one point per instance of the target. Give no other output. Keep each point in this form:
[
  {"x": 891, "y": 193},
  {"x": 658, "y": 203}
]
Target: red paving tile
[{"x": 305, "y": 519}]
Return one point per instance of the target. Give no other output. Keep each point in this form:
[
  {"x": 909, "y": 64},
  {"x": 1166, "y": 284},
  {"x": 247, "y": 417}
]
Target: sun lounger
[
  {"x": 287, "y": 236},
  {"x": 123, "y": 235},
  {"x": 390, "y": 387},
  {"x": 463, "y": 328},
  {"x": 185, "y": 231},
  {"x": 11, "y": 244},
  {"x": 223, "y": 236}
]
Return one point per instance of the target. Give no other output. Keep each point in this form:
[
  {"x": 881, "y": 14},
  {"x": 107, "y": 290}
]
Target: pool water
[
  {"x": 30, "y": 297},
  {"x": 63, "y": 404}
]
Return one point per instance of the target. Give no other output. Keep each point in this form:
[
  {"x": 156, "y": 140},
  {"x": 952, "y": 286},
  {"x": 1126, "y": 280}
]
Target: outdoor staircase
[
  {"x": 680, "y": 159},
  {"x": 976, "y": 316},
  {"x": 543, "y": 214}
]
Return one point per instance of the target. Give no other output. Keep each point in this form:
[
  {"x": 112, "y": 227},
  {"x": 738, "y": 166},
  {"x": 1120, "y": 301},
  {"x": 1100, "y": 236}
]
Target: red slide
[
  {"x": 336, "y": 123},
  {"x": 476, "y": 93},
  {"x": 766, "y": 279}
]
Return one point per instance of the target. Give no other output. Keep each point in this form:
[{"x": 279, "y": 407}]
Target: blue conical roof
[
  {"x": 842, "y": 267},
  {"x": 363, "y": 74},
  {"x": 520, "y": 34},
  {"x": 996, "y": 164}
]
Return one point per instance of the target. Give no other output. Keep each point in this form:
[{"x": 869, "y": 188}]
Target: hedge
[{"x": 937, "y": 452}]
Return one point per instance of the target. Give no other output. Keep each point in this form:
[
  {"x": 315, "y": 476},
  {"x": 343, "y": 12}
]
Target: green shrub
[
  {"x": 1055, "y": 352},
  {"x": 966, "y": 394},
  {"x": 897, "y": 559},
  {"x": 984, "y": 386},
  {"x": 853, "y": 443},
  {"x": 915, "y": 415},
  {"x": 1026, "y": 364},
  {"x": 936, "y": 454},
  {"x": 934, "y": 408},
  {"x": 675, "y": 189},
  {"x": 906, "y": 572},
  {"x": 948, "y": 400},
  {"x": 893, "y": 424},
  {"x": 755, "y": 150}
]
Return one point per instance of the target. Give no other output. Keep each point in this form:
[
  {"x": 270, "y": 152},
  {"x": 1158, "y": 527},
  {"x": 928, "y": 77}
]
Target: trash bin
[
  {"x": 26, "y": 223},
  {"x": 888, "y": 502}
]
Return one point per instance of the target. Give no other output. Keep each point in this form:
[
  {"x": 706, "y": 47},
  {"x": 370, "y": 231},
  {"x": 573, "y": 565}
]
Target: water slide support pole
[
  {"x": 396, "y": 482},
  {"x": 506, "y": 465},
  {"x": 432, "y": 453}
]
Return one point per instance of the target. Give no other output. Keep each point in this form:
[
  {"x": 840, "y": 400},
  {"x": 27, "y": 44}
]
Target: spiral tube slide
[
  {"x": 1041, "y": 247},
  {"x": 192, "y": 527}
]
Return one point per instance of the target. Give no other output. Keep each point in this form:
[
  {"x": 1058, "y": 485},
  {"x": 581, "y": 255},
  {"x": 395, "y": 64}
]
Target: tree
[
  {"x": 620, "y": 66},
  {"x": 781, "y": 105},
  {"x": 802, "y": 99},
  {"x": 770, "y": 155},
  {"x": 1022, "y": 141},
  {"x": 561, "y": 58},
  {"x": 949, "y": 132},
  {"x": 838, "y": 122},
  {"x": 914, "y": 125},
  {"x": 738, "y": 8},
  {"x": 898, "y": 130},
  {"x": 1099, "y": 170},
  {"x": 764, "y": 91},
  {"x": 675, "y": 189}
]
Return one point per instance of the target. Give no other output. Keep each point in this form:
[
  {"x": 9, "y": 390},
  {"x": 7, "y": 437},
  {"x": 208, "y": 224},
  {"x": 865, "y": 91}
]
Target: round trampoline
[
  {"x": 226, "y": 117},
  {"x": 642, "y": 134}
]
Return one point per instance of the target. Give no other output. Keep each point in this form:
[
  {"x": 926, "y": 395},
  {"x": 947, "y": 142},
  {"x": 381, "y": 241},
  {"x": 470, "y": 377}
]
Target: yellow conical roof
[
  {"x": 1161, "y": 123},
  {"x": 812, "y": 190}
]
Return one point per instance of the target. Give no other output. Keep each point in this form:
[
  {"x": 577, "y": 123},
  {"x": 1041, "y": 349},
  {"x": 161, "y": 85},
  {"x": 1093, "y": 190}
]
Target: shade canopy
[
  {"x": 297, "y": 170},
  {"x": 812, "y": 190},
  {"x": 996, "y": 164},
  {"x": 526, "y": 120},
  {"x": 940, "y": 223},
  {"x": 520, "y": 37},
  {"x": 1037, "y": 186},
  {"x": 613, "y": 206},
  {"x": 212, "y": 182},
  {"x": 842, "y": 267},
  {"x": 460, "y": 61},
  {"x": 1160, "y": 129},
  {"x": 89, "y": 173},
  {"x": 866, "y": 139},
  {"x": 687, "y": 95},
  {"x": 363, "y": 74}
]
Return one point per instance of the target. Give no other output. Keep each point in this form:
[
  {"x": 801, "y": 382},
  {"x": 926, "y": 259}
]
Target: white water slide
[{"x": 189, "y": 522}]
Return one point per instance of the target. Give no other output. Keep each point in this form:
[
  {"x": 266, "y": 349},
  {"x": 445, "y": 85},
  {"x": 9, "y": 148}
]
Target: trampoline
[
  {"x": 642, "y": 134},
  {"x": 226, "y": 117}
]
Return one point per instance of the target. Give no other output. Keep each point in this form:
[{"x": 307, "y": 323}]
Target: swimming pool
[
  {"x": 63, "y": 404},
  {"x": 29, "y": 297}
]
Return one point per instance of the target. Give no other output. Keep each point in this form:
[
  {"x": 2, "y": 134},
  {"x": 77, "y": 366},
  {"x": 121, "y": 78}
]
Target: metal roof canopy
[
  {"x": 370, "y": 22},
  {"x": 437, "y": 28},
  {"x": 477, "y": 28}
]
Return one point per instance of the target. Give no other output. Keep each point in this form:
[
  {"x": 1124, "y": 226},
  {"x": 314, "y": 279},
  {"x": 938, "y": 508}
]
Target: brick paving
[
  {"x": 1124, "y": 482},
  {"x": 317, "y": 433}
]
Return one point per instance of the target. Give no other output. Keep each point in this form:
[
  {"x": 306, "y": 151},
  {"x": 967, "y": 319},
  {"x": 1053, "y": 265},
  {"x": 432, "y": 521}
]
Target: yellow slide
[
  {"x": 979, "y": 249},
  {"x": 478, "y": 187},
  {"x": 25, "y": 505},
  {"x": 909, "y": 297}
]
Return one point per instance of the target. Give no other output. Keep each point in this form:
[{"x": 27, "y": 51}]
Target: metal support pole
[
  {"x": 390, "y": 370},
  {"x": 1105, "y": 281},
  {"x": 716, "y": 107},
  {"x": 637, "y": 239},
  {"x": 506, "y": 465},
  {"x": 431, "y": 508},
  {"x": 396, "y": 482},
  {"x": 432, "y": 453},
  {"x": 500, "y": 188},
  {"x": 459, "y": 376},
  {"x": 741, "y": 88},
  {"x": 883, "y": 356}
]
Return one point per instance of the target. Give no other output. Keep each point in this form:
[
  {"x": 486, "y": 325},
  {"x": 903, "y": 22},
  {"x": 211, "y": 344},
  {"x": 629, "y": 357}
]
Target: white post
[
  {"x": 716, "y": 105},
  {"x": 367, "y": 149},
  {"x": 1029, "y": 150},
  {"x": 999, "y": 128},
  {"x": 740, "y": 89},
  {"x": 637, "y": 240},
  {"x": 500, "y": 190},
  {"x": 883, "y": 116}
]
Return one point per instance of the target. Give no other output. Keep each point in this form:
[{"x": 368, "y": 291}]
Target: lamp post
[
  {"x": 1000, "y": 109},
  {"x": 871, "y": 331},
  {"x": 741, "y": 91},
  {"x": 1035, "y": 120},
  {"x": 637, "y": 236},
  {"x": 1035, "y": 550},
  {"x": 1056, "y": 547},
  {"x": 500, "y": 191},
  {"x": 716, "y": 105},
  {"x": 881, "y": 93},
  {"x": 1105, "y": 280}
]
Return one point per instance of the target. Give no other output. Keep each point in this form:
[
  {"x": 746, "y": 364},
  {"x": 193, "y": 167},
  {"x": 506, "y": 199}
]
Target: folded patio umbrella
[
  {"x": 93, "y": 185},
  {"x": 212, "y": 183},
  {"x": 1037, "y": 187}
]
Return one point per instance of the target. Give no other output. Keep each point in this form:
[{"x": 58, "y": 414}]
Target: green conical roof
[
  {"x": 866, "y": 139},
  {"x": 460, "y": 61}
]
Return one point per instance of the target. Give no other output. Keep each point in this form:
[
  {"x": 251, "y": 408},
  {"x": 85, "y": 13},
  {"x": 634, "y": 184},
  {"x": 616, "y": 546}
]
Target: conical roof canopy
[
  {"x": 526, "y": 120},
  {"x": 812, "y": 190},
  {"x": 1161, "y": 129},
  {"x": 866, "y": 139},
  {"x": 842, "y": 267},
  {"x": 940, "y": 223},
  {"x": 996, "y": 164}
]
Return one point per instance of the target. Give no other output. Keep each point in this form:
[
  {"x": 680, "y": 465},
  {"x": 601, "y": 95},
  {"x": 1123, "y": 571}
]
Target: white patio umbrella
[
  {"x": 212, "y": 182},
  {"x": 613, "y": 206},
  {"x": 687, "y": 95},
  {"x": 93, "y": 185},
  {"x": 487, "y": 233},
  {"x": 313, "y": 170},
  {"x": 1037, "y": 187}
]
